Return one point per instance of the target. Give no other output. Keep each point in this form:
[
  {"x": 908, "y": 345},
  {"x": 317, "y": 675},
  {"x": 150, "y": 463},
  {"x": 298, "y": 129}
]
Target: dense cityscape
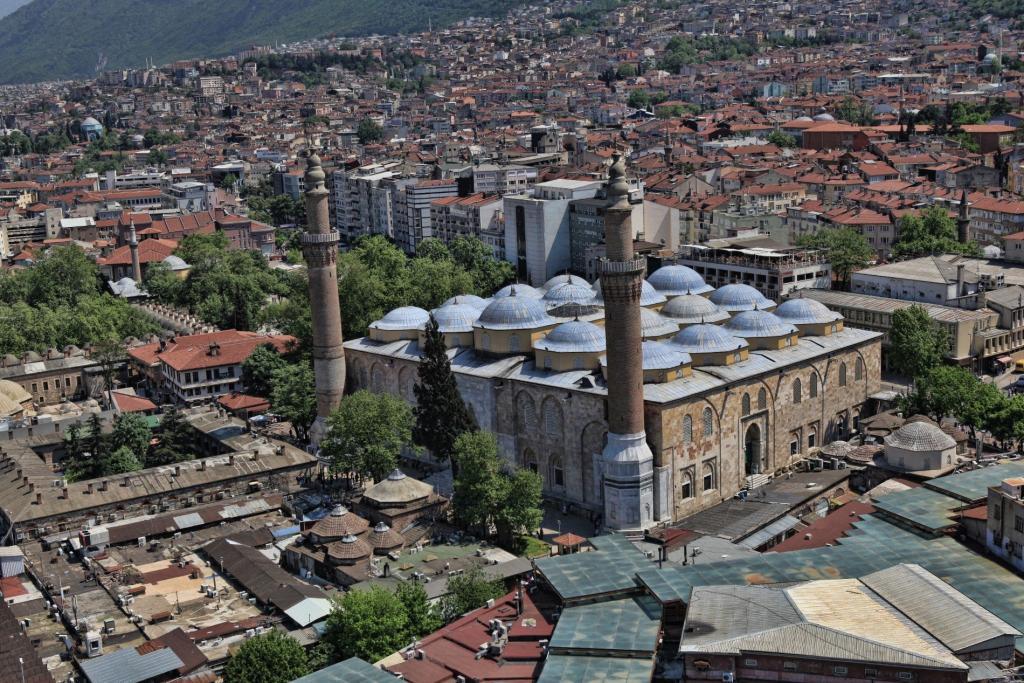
[{"x": 601, "y": 340}]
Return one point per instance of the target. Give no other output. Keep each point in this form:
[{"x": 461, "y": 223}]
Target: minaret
[
  {"x": 627, "y": 459},
  {"x": 963, "y": 221},
  {"x": 133, "y": 245},
  {"x": 320, "y": 249}
]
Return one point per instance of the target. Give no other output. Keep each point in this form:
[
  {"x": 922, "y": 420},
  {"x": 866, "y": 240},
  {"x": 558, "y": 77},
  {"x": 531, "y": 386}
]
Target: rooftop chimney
[{"x": 39, "y": 499}]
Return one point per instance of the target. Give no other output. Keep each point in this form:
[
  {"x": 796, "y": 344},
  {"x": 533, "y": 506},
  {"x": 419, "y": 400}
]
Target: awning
[
  {"x": 759, "y": 538},
  {"x": 1006, "y": 360}
]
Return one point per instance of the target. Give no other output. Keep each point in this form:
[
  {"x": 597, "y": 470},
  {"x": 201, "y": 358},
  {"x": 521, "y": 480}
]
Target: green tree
[
  {"x": 478, "y": 490},
  {"x": 1007, "y": 422},
  {"x": 176, "y": 437},
  {"x": 856, "y": 111},
  {"x": 229, "y": 182},
  {"x": 259, "y": 368},
  {"x": 63, "y": 276},
  {"x": 366, "y": 434},
  {"x": 469, "y": 591},
  {"x": 520, "y": 512},
  {"x": 132, "y": 432},
  {"x": 369, "y": 131},
  {"x": 489, "y": 273},
  {"x": 639, "y": 99},
  {"x": 780, "y": 139},
  {"x": 294, "y": 397},
  {"x": 848, "y": 250},
  {"x": 119, "y": 461},
  {"x": 271, "y": 657},
  {"x": 947, "y": 390},
  {"x": 423, "y": 617},
  {"x": 441, "y": 414},
  {"x": 933, "y": 231},
  {"x": 370, "y": 624},
  {"x": 626, "y": 70},
  {"x": 916, "y": 343}
]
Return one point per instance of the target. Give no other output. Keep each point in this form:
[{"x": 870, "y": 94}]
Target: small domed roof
[
  {"x": 455, "y": 317},
  {"x": 575, "y": 336},
  {"x": 920, "y": 436},
  {"x": 469, "y": 300},
  {"x": 754, "y": 324},
  {"x": 10, "y": 359},
  {"x": 649, "y": 296},
  {"x": 823, "y": 116},
  {"x": 14, "y": 391},
  {"x": 31, "y": 357},
  {"x": 397, "y": 489},
  {"x": 803, "y": 118},
  {"x": 175, "y": 263},
  {"x": 514, "y": 312},
  {"x": 402, "y": 318},
  {"x": 90, "y": 121},
  {"x": 349, "y": 548},
  {"x": 384, "y": 538},
  {"x": 659, "y": 356},
  {"x": 518, "y": 289},
  {"x": 739, "y": 297},
  {"x": 693, "y": 308},
  {"x": 339, "y": 523},
  {"x": 706, "y": 338},
  {"x": 675, "y": 280},
  {"x": 568, "y": 293},
  {"x": 566, "y": 279},
  {"x": 806, "y": 312},
  {"x": 653, "y": 325}
]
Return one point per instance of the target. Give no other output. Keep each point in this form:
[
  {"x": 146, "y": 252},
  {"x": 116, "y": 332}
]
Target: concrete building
[
  {"x": 1005, "y": 537},
  {"x": 411, "y": 201},
  {"x": 504, "y": 179},
  {"x": 357, "y": 203},
  {"x": 538, "y": 229},
  {"x": 940, "y": 280},
  {"x": 191, "y": 196},
  {"x": 477, "y": 215}
]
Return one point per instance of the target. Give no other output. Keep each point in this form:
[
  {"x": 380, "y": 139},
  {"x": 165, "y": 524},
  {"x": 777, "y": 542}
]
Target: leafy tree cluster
[
  {"x": 175, "y": 441},
  {"x": 856, "y": 111},
  {"x": 916, "y": 342},
  {"x": 89, "y": 453},
  {"x": 488, "y": 497},
  {"x": 586, "y": 17},
  {"x": 225, "y": 287},
  {"x": 680, "y": 51},
  {"x": 948, "y": 118},
  {"x": 369, "y": 131},
  {"x": 780, "y": 139},
  {"x": 15, "y": 143},
  {"x": 1004, "y": 9},
  {"x": 367, "y": 433},
  {"x": 469, "y": 591},
  {"x": 58, "y": 302},
  {"x": 373, "y": 623},
  {"x": 932, "y": 231},
  {"x": 275, "y": 209},
  {"x": 271, "y": 657},
  {"x": 848, "y": 250}
]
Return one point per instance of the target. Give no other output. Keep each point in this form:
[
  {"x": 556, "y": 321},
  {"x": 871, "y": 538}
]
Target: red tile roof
[
  {"x": 128, "y": 403},
  {"x": 193, "y": 352},
  {"x": 826, "y": 530}
]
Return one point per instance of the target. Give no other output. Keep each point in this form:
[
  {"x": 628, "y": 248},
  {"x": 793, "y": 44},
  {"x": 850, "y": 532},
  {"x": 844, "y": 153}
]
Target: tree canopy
[
  {"x": 917, "y": 343},
  {"x": 271, "y": 657},
  {"x": 469, "y": 591},
  {"x": 933, "y": 231},
  {"x": 370, "y": 624},
  {"x": 89, "y": 453},
  {"x": 441, "y": 414},
  {"x": 293, "y": 397},
  {"x": 366, "y": 434},
  {"x": 259, "y": 368},
  {"x": 848, "y": 250}
]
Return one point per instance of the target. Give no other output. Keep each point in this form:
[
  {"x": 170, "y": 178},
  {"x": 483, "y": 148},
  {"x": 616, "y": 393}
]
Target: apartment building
[
  {"x": 411, "y": 201},
  {"x": 477, "y": 215},
  {"x": 1005, "y": 533},
  {"x": 358, "y": 204}
]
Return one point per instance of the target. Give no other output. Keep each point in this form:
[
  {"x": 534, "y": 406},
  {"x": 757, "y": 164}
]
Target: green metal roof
[
  {"x": 628, "y": 627},
  {"x": 352, "y": 670},
  {"x": 925, "y": 508},
  {"x": 560, "y": 668},
  {"x": 609, "y": 569},
  {"x": 972, "y": 486}
]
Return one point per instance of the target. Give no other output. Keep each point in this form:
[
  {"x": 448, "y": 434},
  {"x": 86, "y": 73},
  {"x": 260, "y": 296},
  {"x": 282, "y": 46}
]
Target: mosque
[{"x": 648, "y": 401}]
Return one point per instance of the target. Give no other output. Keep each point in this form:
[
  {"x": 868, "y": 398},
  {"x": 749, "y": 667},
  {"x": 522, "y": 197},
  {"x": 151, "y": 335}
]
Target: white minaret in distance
[
  {"x": 627, "y": 459},
  {"x": 320, "y": 249},
  {"x": 133, "y": 245}
]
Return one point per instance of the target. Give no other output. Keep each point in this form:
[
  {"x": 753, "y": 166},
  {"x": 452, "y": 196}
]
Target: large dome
[
  {"x": 739, "y": 297},
  {"x": 659, "y": 356},
  {"x": 575, "y": 336},
  {"x": 403, "y": 318},
  {"x": 677, "y": 280},
  {"x": 806, "y": 312},
  {"x": 470, "y": 300},
  {"x": 693, "y": 308},
  {"x": 920, "y": 436},
  {"x": 649, "y": 296},
  {"x": 566, "y": 279},
  {"x": 514, "y": 312},
  {"x": 706, "y": 338},
  {"x": 456, "y": 317},
  {"x": 175, "y": 263},
  {"x": 568, "y": 293},
  {"x": 654, "y": 326},
  {"x": 518, "y": 289},
  {"x": 755, "y": 324}
]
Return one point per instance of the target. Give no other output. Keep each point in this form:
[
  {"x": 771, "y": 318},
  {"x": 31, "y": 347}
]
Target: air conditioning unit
[{"x": 728, "y": 677}]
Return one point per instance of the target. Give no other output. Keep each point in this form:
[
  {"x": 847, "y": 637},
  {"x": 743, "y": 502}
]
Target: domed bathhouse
[
  {"x": 91, "y": 129},
  {"x": 684, "y": 420},
  {"x": 920, "y": 446}
]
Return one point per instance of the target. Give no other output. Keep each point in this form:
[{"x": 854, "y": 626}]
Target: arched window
[
  {"x": 526, "y": 414},
  {"x": 557, "y": 473},
  {"x": 686, "y": 487},
  {"x": 552, "y": 417},
  {"x": 746, "y": 404},
  {"x": 797, "y": 391},
  {"x": 858, "y": 369},
  {"x": 814, "y": 384},
  {"x": 709, "y": 477},
  {"x": 687, "y": 429},
  {"x": 842, "y": 374},
  {"x": 762, "y": 399},
  {"x": 709, "y": 422},
  {"x": 530, "y": 460}
]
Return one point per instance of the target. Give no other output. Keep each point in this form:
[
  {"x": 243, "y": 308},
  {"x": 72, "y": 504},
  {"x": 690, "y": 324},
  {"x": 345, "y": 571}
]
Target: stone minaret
[
  {"x": 627, "y": 459},
  {"x": 133, "y": 245},
  {"x": 963, "y": 221},
  {"x": 320, "y": 249}
]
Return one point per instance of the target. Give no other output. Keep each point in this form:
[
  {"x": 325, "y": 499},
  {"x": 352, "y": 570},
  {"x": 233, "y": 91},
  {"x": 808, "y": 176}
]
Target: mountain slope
[
  {"x": 8, "y": 6},
  {"x": 52, "y": 39}
]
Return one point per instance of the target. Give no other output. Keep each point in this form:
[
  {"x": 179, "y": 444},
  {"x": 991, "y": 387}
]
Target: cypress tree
[{"x": 441, "y": 415}]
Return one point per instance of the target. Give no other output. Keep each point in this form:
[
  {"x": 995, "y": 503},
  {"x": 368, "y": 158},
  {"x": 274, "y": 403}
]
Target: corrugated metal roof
[
  {"x": 946, "y": 613},
  {"x": 128, "y": 666},
  {"x": 306, "y": 611},
  {"x": 762, "y": 536},
  {"x": 352, "y": 670},
  {"x": 560, "y": 668},
  {"x": 188, "y": 520}
]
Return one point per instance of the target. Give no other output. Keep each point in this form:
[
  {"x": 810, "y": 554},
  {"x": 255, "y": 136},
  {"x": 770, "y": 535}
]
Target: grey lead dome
[
  {"x": 806, "y": 312},
  {"x": 575, "y": 336},
  {"x": 739, "y": 297},
  {"x": 678, "y": 280},
  {"x": 514, "y": 312},
  {"x": 758, "y": 324},
  {"x": 706, "y": 339},
  {"x": 403, "y": 318},
  {"x": 693, "y": 308},
  {"x": 920, "y": 436}
]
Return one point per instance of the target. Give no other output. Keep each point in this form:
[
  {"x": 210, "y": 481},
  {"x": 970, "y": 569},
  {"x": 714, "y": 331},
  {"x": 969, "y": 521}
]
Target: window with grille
[
  {"x": 797, "y": 391},
  {"x": 746, "y": 404},
  {"x": 709, "y": 425},
  {"x": 687, "y": 429}
]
